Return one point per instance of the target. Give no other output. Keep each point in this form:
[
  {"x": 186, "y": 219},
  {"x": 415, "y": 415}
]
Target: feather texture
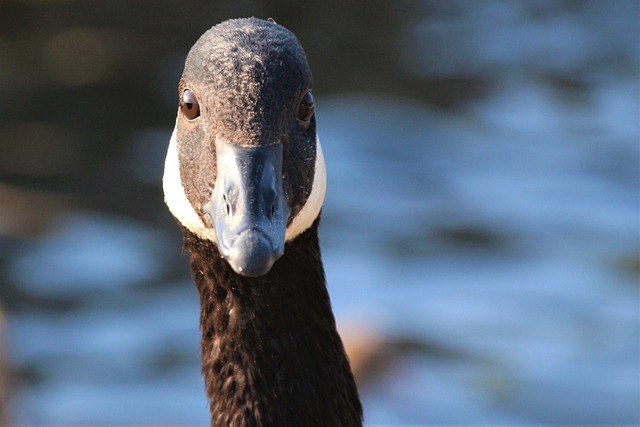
[{"x": 271, "y": 354}]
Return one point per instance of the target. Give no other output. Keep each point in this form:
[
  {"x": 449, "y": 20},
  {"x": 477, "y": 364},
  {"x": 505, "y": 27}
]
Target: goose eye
[
  {"x": 189, "y": 105},
  {"x": 305, "y": 109}
]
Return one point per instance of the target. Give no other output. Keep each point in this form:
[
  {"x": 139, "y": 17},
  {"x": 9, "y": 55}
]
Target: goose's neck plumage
[{"x": 271, "y": 354}]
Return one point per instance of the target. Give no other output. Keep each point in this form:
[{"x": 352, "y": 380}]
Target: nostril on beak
[
  {"x": 227, "y": 204},
  {"x": 273, "y": 208}
]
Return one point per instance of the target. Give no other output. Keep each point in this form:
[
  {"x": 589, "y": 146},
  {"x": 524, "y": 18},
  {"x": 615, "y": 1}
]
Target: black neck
[{"x": 271, "y": 354}]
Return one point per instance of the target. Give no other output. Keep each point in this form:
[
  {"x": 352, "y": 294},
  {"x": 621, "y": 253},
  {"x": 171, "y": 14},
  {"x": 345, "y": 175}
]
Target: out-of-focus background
[{"x": 480, "y": 232}]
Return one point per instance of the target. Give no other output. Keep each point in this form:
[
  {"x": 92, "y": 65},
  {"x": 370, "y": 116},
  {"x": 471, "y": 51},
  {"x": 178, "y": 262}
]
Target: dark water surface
[{"x": 480, "y": 232}]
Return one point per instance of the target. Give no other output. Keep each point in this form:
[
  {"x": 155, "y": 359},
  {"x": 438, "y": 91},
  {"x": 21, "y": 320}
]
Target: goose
[{"x": 245, "y": 179}]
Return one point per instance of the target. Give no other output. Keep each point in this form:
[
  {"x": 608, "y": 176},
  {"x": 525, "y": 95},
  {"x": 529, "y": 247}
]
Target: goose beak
[{"x": 248, "y": 207}]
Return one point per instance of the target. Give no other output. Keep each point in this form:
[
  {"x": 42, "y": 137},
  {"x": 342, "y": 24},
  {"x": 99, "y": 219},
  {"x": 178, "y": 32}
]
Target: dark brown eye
[
  {"x": 305, "y": 109},
  {"x": 189, "y": 105}
]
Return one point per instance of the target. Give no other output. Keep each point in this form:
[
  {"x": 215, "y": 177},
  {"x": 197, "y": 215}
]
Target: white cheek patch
[
  {"x": 180, "y": 207},
  {"x": 176, "y": 198},
  {"x": 311, "y": 208}
]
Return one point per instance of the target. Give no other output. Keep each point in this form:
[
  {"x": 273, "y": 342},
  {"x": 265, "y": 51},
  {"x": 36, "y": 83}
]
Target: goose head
[{"x": 245, "y": 169}]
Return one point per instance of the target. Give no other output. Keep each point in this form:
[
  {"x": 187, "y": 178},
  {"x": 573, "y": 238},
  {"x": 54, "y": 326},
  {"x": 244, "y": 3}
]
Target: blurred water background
[{"x": 480, "y": 232}]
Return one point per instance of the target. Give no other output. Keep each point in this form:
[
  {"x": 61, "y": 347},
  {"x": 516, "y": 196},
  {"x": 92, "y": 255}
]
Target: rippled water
[{"x": 489, "y": 250}]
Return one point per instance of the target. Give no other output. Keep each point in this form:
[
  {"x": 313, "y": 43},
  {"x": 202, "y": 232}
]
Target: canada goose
[{"x": 245, "y": 178}]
